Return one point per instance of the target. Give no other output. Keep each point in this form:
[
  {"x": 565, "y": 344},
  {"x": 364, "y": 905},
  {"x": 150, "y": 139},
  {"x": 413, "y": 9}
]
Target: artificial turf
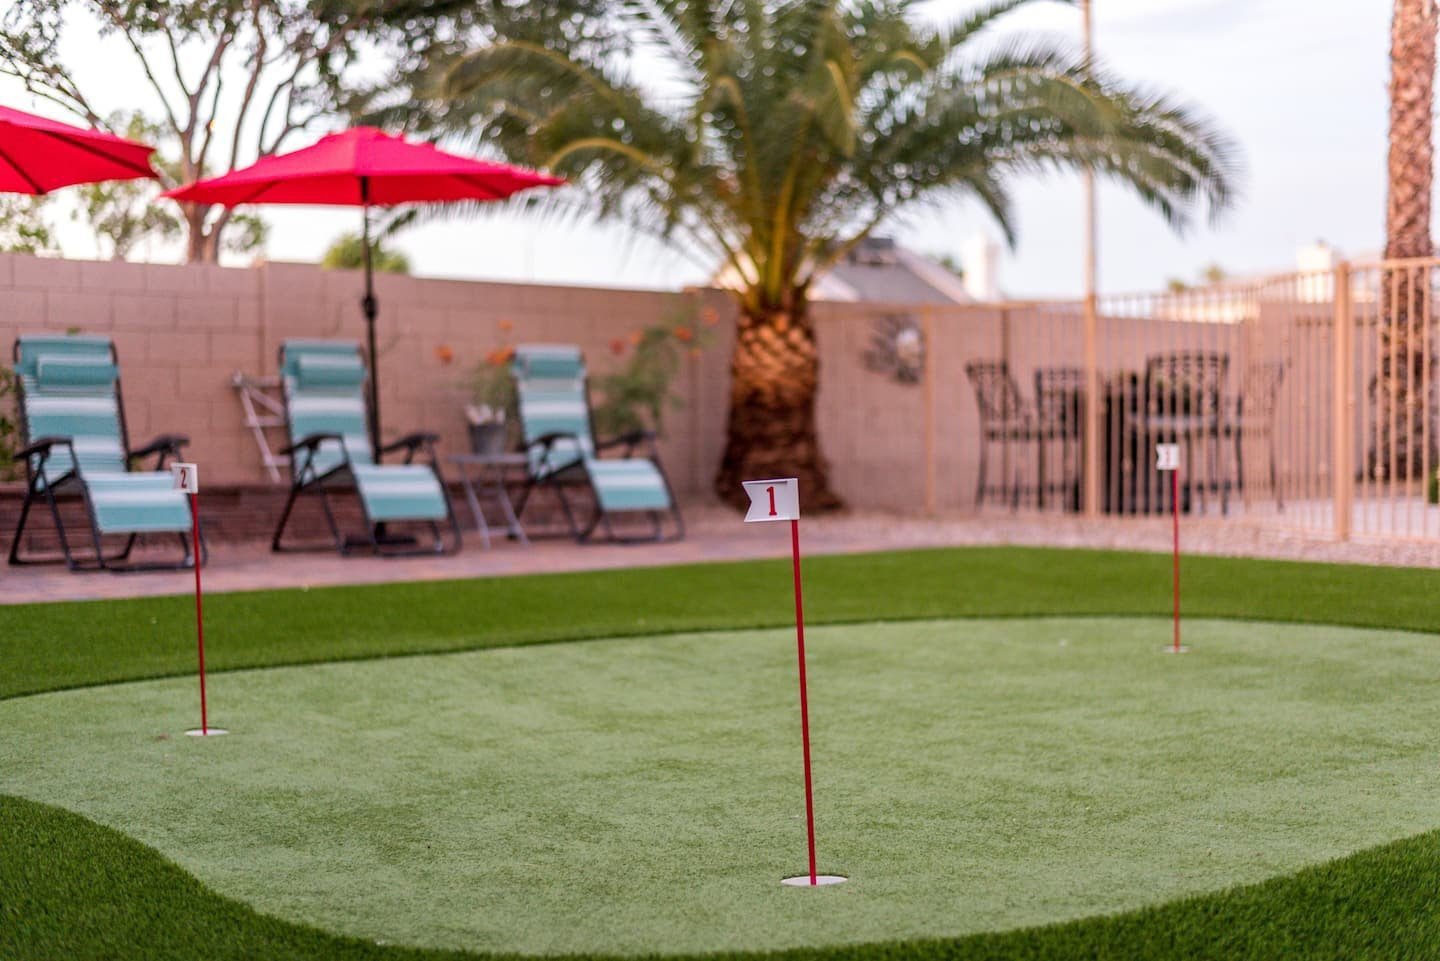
[
  {"x": 642, "y": 796},
  {"x": 69, "y": 888},
  {"x": 46, "y": 647}
]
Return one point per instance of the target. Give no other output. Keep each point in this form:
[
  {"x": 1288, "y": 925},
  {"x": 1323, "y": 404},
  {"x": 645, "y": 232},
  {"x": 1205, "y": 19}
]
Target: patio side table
[{"x": 483, "y": 476}]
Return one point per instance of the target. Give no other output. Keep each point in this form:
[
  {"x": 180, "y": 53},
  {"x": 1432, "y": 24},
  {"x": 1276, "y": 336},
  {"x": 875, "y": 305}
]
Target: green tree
[
  {"x": 348, "y": 253},
  {"x": 229, "y": 80},
  {"x": 789, "y": 130},
  {"x": 1397, "y": 448},
  {"x": 123, "y": 213},
  {"x": 23, "y": 227}
]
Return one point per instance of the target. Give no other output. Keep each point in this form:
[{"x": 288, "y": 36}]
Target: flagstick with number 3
[
  {"x": 779, "y": 500},
  {"x": 1167, "y": 459}
]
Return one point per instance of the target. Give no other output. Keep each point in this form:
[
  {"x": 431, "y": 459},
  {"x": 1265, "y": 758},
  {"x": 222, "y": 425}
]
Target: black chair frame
[{"x": 39, "y": 486}]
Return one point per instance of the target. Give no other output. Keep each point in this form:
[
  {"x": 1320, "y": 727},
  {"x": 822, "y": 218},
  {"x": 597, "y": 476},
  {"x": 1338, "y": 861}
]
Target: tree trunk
[
  {"x": 201, "y": 245},
  {"x": 1397, "y": 431},
  {"x": 774, "y": 375}
]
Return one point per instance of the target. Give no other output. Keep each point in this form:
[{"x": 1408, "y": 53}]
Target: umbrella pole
[{"x": 371, "y": 308}]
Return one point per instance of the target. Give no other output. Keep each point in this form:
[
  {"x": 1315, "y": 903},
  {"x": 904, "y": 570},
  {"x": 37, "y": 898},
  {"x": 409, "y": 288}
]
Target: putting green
[{"x": 635, "y": 796}]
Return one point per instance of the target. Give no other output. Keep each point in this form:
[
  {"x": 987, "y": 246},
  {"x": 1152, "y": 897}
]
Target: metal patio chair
[
  {"x": 1059, "y": 413},
  {"x": 1254, "y": 418},
  {"x": 1005, "y": 418},
  {"x": 323, "y": 383},
  {"x": 72, "y": 422},
  {"x": 563, "y": 454},
  {"x": 1185, "y": 403}
]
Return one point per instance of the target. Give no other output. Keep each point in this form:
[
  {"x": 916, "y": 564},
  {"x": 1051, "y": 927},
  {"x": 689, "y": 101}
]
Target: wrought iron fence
[{"x": 1304, "y": 401}]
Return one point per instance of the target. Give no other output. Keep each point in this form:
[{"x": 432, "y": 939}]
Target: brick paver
[{"x": 716, "y": 534}]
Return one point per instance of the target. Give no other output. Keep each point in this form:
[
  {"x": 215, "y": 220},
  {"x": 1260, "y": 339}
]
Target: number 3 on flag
[
  {"x": 1167, "y": 456},
  {"x": 185, "y": 477},
  {"x": 773, "y": 500}
]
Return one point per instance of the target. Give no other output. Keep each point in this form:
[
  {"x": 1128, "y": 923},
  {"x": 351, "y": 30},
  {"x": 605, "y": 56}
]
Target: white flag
[
  {"x": 1167, "y": 456},
  {"x": 185, "y": 477},
  {"x": 773, "y": 500}
]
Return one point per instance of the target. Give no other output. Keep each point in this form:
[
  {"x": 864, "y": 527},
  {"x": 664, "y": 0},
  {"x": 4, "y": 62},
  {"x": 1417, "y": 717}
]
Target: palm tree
[
  {"x": 786, "y": 131},
  {"x": 1397, "y": 432}
]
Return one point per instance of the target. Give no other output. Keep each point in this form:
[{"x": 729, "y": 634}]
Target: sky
[{"x": 1299, "y": 84}]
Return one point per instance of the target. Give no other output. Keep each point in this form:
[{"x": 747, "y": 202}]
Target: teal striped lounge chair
[
  {"x": 564, "y": 456},
  {"x": 72, "y": 423},
  {"x": 323, "y": 384}
]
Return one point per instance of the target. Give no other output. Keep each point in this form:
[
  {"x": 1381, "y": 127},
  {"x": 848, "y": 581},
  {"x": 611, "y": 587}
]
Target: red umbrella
[
  {"x": 38, "y": 155},
  {"x": 364, "y": 167}
]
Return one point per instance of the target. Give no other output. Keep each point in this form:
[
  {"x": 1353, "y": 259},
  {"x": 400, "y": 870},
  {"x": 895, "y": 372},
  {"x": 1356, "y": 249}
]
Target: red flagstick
[
  {"x": 804, "y": 704},
  {"x": 1175, "y": 509},
  {"x": 199, "y": 610}
]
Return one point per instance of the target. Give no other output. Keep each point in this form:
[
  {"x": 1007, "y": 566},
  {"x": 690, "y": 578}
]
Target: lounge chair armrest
[
  {"x": 629, "y": 441},
  {"x": 41, "y": 446},
  {"x": 163, "y": 446},
  {"x": 411, "y": 442},
  {"x": 310, "y": 442},
  {"x": 546, "y": 443},
  {"x": 548, "y": 440}
]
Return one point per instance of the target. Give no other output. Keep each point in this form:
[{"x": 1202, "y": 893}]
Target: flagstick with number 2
[
  {"x": 187, "y": 479},
  {"x": 779, "y": 500}
]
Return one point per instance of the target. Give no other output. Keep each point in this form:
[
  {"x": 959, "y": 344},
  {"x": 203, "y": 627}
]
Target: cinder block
[
  {"x": 143, "y": 312},
  {"x": 45, "y": 273},
  {"x": 110, "y": 276},
  {"x": 235, "y": 350},
  {"x": 133, "y": 348},
  {"x": 180, "y": 348},
  {"x": 202, "y": 385},
  {"x": 175, "y": 279},
  {"x": 204, "y": 312},
  {"x": 233, "y": 281},
  {"x": 72, "y": 310},
  {"x": 24, "y": 311}
]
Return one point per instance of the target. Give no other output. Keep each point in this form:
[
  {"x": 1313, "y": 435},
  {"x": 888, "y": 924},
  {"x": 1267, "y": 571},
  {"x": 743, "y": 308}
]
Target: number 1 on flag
[{"x": 773, "y": 500}]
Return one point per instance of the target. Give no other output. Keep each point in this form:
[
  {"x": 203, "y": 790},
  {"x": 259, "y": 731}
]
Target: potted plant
[
  {"x": 637, "y": 394},
  {"x": 493, "y": 391}
]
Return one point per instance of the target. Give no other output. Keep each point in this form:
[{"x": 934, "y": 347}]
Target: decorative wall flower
[{"x": 897, "y": 349}]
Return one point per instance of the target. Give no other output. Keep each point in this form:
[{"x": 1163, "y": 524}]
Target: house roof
[{"x": 880, "y": 270}]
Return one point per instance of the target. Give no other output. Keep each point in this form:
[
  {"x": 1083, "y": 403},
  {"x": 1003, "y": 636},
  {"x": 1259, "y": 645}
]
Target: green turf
[
  {"x": 640, "y": 796},
  {"x": 72, "y": 889},
  {"x": 53, "y": 646}
]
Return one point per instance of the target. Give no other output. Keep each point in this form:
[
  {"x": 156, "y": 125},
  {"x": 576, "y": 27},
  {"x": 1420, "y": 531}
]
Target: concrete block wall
[{"x": 183, "y": 331}]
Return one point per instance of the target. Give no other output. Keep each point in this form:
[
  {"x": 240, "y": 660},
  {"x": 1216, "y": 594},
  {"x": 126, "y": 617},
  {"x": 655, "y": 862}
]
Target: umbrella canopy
[
  {"x": 38, "y": 155},
  {"x": 364, "y": 167}
]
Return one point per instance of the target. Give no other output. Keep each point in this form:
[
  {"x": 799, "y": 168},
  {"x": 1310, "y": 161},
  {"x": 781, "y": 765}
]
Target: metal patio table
[{"x": 483, "y": 476}]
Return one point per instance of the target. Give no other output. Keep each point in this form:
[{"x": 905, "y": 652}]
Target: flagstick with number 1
[
  {"x": 1167, "y": 459},
  {"x": 187, "y": 479},
  {"x": 779, "y": 500}
]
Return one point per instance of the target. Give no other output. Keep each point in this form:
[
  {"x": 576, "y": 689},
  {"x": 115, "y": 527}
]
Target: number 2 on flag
[{"x": 185, "y": 477}]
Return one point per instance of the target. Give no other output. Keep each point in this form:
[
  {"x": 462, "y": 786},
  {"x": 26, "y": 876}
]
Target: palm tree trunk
[
  {"x": 774, "y": 375},
  {"x": 1397, "y": 427}
]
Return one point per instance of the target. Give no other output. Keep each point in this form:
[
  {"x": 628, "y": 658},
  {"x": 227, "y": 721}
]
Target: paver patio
[{"x": 715, "y": 534}]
